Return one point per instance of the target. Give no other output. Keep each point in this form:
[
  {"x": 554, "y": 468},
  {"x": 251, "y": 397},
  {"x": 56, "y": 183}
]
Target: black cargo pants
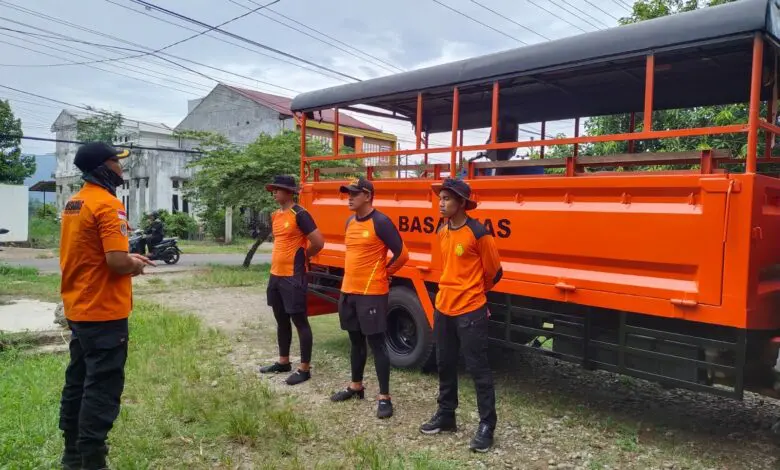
[
  {"x": 94, "y": 381},
  {"x": 467, "y": 333}
]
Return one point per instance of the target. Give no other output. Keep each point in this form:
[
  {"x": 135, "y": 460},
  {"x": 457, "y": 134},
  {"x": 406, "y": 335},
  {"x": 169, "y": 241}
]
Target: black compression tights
[
  {"x": 284, "y": 334},
  {"x": 359, "y": 355}
]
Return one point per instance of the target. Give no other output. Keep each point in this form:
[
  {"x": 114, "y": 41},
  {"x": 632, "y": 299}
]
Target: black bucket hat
[
  {"x": 283, "y": 182},
  {"x": 358, "y": 185},
  {"x": 459, "y": 188},
  {"x": 93, "y": 154}
]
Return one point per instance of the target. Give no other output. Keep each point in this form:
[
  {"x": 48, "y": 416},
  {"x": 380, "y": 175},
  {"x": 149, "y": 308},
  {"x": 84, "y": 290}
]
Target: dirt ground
[{"x": 551, "y": 414}]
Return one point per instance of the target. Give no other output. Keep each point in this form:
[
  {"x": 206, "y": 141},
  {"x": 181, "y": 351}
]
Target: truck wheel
[{"x": 409, "y": 336}]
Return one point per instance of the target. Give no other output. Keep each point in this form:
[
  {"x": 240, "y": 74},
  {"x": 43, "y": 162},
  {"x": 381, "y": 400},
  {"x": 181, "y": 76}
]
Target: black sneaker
[
  {"x": 441, "y": 421},
  {"x": 384, "y": 408},
  {"x": 276, "y": 367},
  {"x": 348, "y": 393},
  {"x": 298, "y": 377},
  {"x": 483, "y": 439}
]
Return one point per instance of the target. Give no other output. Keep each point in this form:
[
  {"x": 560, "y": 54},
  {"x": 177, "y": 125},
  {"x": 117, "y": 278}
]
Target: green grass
[
  {"x": 230, "y": 276},
  {"x": 239, "y": 246},
  {"x": 184, "y": 406},
  {"x": 44, "y": 232},
  {"x": 19, "y": 282}
]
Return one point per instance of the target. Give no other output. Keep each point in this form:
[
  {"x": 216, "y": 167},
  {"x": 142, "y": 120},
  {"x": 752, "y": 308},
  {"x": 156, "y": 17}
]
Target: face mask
[{"x": 105, "y": 177}]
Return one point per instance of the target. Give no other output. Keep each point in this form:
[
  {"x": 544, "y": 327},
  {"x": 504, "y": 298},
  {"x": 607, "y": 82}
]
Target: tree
[
  {"x": 229, "y": 176},
  {"x": 674, "y": 118},
  {"x": 14, "y": 167},
  {"x": 101, "y": 127}
]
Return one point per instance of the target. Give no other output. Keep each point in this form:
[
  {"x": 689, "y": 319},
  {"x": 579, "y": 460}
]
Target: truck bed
[{"x": 704, "y": 248}]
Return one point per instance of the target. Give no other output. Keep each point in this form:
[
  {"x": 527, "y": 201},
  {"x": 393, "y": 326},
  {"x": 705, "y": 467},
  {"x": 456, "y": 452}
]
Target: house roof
[
  {"x": 601, "y": 69},
  {"x": 281, "y": 105},
  {"x": 127, "y": 124}
]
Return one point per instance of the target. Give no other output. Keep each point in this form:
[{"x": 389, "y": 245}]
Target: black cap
[
  {"x": 93, "y": 154},
  {"x": 283, "y": 182},
  {"x": 460, "y": 188},
  {"x": 358, "y": 185}
]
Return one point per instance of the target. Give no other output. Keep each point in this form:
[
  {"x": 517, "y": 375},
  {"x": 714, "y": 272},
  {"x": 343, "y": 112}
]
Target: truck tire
[{"x": 409, "y": 337}]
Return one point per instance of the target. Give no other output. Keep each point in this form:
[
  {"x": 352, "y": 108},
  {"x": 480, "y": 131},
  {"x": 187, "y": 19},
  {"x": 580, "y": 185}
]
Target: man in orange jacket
[
  {"x": 470, "y": 268},
  {"x": 363, "y": 306},
  {"x": 97, "y": 294}
]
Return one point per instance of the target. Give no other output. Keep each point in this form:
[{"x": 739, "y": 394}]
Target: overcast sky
[{"x": 407, "y": 34}]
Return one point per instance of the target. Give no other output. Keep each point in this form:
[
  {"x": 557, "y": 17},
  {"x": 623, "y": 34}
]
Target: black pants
[
  {"x": 287, "y": 298},
  {"x": 94, "y": 381},
  {"x": 359, "y": 354},
  {"x": 468, "y": 333}
]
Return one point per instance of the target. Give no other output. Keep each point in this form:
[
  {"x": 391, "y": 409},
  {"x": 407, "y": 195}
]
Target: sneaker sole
[
  {"x": 481, "y": 451},
  {"x": 437, "y": 431}
]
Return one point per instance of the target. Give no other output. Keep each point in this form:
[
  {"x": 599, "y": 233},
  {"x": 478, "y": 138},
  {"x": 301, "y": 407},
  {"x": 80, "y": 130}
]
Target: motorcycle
[{"x": 167, "y": 250}]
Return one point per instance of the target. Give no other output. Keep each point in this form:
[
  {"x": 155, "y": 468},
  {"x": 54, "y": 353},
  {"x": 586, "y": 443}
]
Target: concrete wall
[
  {"x": 239, "y": 119},
  {"x": 13, "y": 212}
]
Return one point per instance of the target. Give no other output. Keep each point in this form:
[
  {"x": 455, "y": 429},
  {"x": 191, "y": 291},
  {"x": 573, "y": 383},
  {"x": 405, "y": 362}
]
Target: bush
[
  {"x": 178, "y": 224},
  {"x": 44, "y": 232},
  {"x": 214, "y": 221}
]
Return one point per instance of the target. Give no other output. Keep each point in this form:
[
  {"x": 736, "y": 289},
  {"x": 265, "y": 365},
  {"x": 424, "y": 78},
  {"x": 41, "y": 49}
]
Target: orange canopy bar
[
  {"x": 754, "y": 119},
  {"x": 696, "y": 131}
]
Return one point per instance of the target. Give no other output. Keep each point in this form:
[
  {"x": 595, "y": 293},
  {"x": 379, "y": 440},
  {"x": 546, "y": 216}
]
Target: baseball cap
[
  {"x": 358, "y": 185},
  {"x": 93, "y": 154},
  {"x": 283, "y": 182},
  {"x": 458, "y": 187}
]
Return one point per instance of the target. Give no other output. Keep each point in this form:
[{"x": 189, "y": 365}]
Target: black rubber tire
[
  {"x": 172, "y": 259},
  {"x": 410, "y": 343}
]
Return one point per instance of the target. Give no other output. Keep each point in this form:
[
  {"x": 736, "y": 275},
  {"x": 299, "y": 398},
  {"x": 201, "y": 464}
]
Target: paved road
[{"x": 52, "y": 265}]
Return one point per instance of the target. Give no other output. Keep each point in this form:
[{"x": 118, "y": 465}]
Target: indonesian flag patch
[{"x": 122, "y": 215}]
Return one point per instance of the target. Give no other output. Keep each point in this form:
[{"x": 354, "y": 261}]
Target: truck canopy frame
[{"x": 702, "y": 60}]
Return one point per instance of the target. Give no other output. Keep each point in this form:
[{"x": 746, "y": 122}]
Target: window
[
  {"x": 185, "y": 205},
  {"x": 349, "y": 141},
  {"x": 175, "y": 203},
  {"x": 175, "y": 184}
]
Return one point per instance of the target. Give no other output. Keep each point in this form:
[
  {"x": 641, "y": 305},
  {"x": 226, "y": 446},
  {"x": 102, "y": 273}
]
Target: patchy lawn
[
  {"x": 17, "y": 282},
  {"x": 240, "y": 246}
]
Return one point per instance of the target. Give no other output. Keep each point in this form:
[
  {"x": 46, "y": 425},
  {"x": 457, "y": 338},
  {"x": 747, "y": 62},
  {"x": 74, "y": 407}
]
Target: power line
[
  {"x": 583, "y": 13},
  {"x": 477, "y": 21},
  {"x": 332, "y": 38},
  {"x": 601, "y": 10},
  {"x": 556, "y": 15},
  {"x": 510, "y": 19},
  {"x": 242, "y": 38},
  {"x": 145, "y": 48},
  {"x": 61, "y": 37},
  {"x": 96, "y": 68},
  {"x": 391, "y": 68},
  {"x": 128, "y": 146}
]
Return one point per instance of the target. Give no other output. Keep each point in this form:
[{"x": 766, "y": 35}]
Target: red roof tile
[{"x": 281, "y": 105}]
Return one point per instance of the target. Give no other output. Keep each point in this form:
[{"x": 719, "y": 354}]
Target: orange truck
[{"x": 670, "y": 275}]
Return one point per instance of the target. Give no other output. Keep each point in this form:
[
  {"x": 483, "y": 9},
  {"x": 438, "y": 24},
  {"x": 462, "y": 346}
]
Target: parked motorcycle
[{"x": 167, "y": 250}]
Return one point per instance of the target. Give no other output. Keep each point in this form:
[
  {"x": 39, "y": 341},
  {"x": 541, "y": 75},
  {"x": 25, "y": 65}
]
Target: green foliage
[
  {"x": 673, "y": 118},
  {"x": 231, "y": 176},
  {"x": 14, "y": 167},
  {"x": 178, "y": 224},
  {"x": 101, "y": 127}
]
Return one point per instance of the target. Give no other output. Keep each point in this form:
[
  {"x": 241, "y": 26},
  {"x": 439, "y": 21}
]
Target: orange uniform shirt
[
  {"x": 94, "y": 223},
  {"x": 470, "y": 268},
  {"x": 290, "y": 229},
  {"x": 366, "y": 268}
]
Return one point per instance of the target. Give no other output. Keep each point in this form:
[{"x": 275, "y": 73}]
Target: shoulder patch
[
  {"x": 122, "y": 215},
  {"x": 477, "y": 228},
  {"x": 73, "y": 207}
]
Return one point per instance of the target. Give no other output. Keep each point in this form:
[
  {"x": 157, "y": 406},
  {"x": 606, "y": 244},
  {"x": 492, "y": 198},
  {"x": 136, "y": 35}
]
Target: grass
[
  {"x": 239, "y": 246},
  {"x": 230, "y": 276},
  {"x": 183, "y": 406},
  {"x": 19, "y": 282},
  {"x": 44, "y": 232}
]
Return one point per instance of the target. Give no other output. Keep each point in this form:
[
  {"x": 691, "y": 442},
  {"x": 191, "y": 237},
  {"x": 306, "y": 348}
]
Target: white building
[{"x": 153, "y": 178}]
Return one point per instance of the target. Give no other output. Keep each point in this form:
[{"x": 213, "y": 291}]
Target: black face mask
[{"x": 105, "y": 177}]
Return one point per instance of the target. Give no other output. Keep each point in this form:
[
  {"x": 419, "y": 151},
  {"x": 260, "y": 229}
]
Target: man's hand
[{"x": 140, "y": 262}]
